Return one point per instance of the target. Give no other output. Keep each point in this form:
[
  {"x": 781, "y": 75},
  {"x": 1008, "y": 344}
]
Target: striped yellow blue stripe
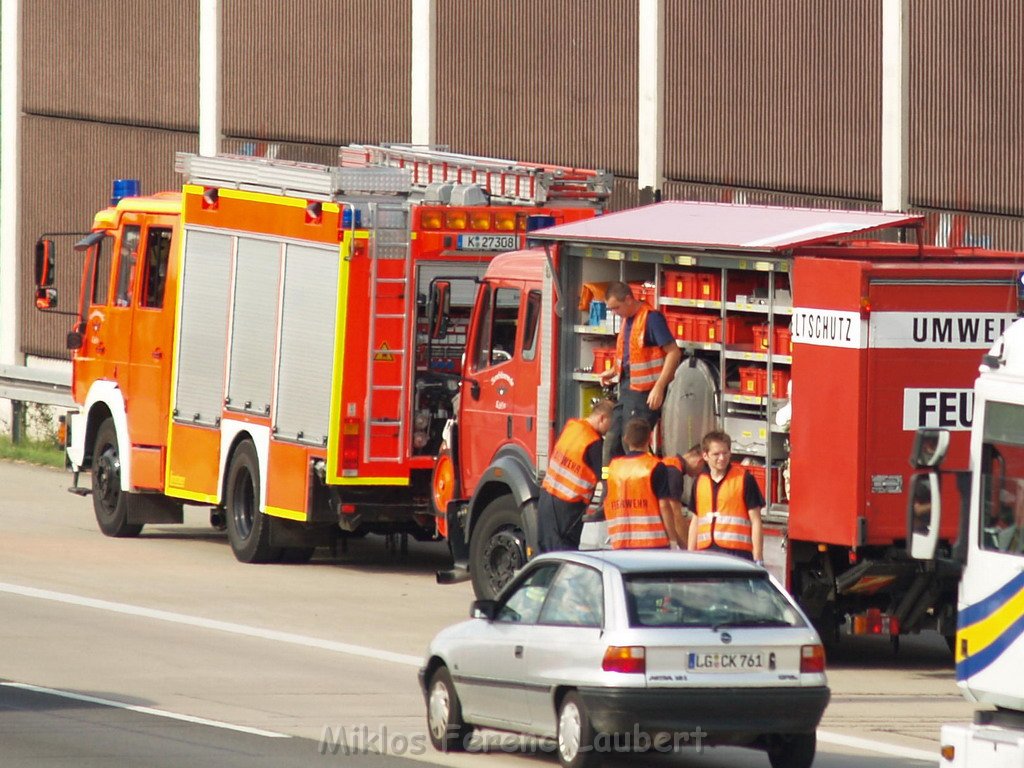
[{"x": 989, "y": 627}]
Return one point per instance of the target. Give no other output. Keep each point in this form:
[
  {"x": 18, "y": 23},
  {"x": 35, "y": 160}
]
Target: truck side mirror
[
  {"x": 930, "y": 446},
  {"x": 924, "y": 511},
  {"x": 439, "y": 308},
  {"x": 44, "y": 263}
]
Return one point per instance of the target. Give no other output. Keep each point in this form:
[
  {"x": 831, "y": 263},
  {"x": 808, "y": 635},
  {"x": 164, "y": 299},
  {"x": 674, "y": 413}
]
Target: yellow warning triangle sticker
[{"x": 383, "y": 354}]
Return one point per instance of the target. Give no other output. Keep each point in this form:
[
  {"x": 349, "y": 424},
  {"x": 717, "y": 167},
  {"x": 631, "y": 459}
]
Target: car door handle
[
  {"x": 474, "y": 388},
  {"x": 158, "y": 354},
  {"x": 101, "y": 348},
  {"x": 519, "y": 651},
  {"x": 509, "y": 428}
]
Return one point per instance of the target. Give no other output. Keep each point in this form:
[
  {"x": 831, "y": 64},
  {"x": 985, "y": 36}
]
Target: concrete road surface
[{"x": 110, "y": 648}]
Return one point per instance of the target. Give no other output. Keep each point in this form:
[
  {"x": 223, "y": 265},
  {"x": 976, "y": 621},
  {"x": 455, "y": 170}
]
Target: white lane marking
[
  {"x": 147, "y": 710},
  {"x": 372, "y": 653},
  {"x": 218, "y": 626},
  {"x": 869, "y": 745}
]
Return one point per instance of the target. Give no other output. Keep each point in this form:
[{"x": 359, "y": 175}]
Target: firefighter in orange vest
[
  {"x": 727, "y": 504},
  {"x": 680, "y": 470},
  {"x": 639, "y": 503},
  {"x": 646, "y": 358},
  {"x": 572, "y": 477}
]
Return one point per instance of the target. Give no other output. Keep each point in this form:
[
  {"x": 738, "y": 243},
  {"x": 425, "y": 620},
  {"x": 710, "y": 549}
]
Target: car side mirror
[
  {"x": 930, "y": 446},
  {"x": 483, "y": 609},
  {"x": 924, "y": 511},
  {"x": 439, "y": 308}
]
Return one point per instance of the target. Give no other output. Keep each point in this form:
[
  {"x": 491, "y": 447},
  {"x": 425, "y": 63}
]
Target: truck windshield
[{"x": 1002, "y": 479}]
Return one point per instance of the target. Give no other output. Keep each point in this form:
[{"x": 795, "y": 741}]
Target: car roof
[{"x": 631, "y": 561}]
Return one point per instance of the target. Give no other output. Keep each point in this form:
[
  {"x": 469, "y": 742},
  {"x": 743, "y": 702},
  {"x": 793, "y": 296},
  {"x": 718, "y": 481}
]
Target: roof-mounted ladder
[
  {"x": 287, "y": 177},
  {"x": 505, "y": 180}
]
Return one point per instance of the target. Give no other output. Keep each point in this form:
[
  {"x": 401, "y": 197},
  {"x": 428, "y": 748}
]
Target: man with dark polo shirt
[
  {"x": 646, "y": 358},
  {"x": 639, "y": 504},
  {"x": 726, "y": 503}
]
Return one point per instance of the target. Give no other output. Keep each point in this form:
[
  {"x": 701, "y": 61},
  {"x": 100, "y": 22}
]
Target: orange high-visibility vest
[
  {"x": 569, "y": 477},
  {"x": 632, "y": 509},
  {"x": 645, "y": 363},
  {"x": 729, "y": 525},
  {"x": 673, "y": 461}
]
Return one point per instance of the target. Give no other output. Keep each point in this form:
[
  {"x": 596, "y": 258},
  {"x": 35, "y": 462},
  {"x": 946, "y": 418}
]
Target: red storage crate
[
  {"x": 783, "y": 341},
  {"x": 707, "y": 328},
  {"x": 780, "y": 382},
  {"x": 681, "y": 324},
  {"x": 758, "y": 473},
  {"x": 751, "y": 380},
  {"x": 708, "y": 287},
  {"x": 604, "y": 359},
  {"x": 644, "y": 293},
  {"x": 676, "y": 284},
  {"x": 760, "y": 334}
]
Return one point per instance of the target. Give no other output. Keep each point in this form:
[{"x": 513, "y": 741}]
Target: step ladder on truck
[{"x": 256, "y": 341}]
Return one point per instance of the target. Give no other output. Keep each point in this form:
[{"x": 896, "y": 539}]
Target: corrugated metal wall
[
  {"x": 967, "y": 105},
  {"x": 109, "y": 91},
  {"x": 121, "y": 61},
  {"x": 542, "y": 80},
  {"x": 774, "y": 94},
  {"x": 66, "y": 178},
  {"x": 317, "y": 71}
]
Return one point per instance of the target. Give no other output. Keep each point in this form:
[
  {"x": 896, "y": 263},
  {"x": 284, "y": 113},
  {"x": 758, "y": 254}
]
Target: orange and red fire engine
[
  {"x": 819, "y": 353},
  {"x": 257, "y": 341}
]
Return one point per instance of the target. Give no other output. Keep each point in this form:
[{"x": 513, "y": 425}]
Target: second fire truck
[{"x": 820, "y": 353}]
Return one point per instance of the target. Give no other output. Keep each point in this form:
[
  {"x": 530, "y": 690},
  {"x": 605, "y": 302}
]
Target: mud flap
[
  {"x": 458, "y": 545},
  {"x": 153, "y": 508}
]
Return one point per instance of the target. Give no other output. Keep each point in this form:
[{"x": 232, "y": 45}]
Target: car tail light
[
  {"x": 625, "y": 658},
  {"x": 812, "y": 659}
]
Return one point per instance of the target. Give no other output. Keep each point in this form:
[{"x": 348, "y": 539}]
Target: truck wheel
[
  {"x": 248, "y": 527},
  {"x": 108, "y": 501},
  {"x": 448, "y": 731},
  {"x": 792, "y": 750},
  {"x": 575, "y": 739},
  {"x": 497, "y": 547}
]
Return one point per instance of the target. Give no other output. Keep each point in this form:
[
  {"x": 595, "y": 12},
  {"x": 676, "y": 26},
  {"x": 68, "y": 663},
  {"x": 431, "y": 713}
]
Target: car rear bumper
[{"x": 723, "y": 715}]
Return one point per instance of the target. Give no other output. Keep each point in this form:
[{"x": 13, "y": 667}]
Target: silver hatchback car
[{"x": 632, "y": 650}]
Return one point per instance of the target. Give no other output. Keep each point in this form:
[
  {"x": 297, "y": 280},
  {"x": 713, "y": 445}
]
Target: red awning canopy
[{"x": 723, "y": 226}]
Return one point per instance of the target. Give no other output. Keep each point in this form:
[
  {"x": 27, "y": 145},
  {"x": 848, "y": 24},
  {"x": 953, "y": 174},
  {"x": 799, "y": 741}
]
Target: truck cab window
[
  {"x": 126, "y": 265},
  {"x": 1002, "y": 480},
  {"x": 158, "y": 250},
  {"x": 531, "y": 325},
  {"x": 101, "y": 271},
  {"x": 496, "y": 334}
]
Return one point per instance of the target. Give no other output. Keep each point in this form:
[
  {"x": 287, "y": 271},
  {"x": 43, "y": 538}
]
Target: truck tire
[
  {"x": 248, "y": 527},
  {"x": 109, "y": 502},
  {"x": 497, "y": 547},
  {"x": 792, "y": 750}
]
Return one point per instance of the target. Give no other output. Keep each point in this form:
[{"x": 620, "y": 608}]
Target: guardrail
[{"x": 36, "y": 385}]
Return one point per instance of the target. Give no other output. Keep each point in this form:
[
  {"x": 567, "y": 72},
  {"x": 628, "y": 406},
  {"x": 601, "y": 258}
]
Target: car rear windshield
[{"x": 707, "y": 600}]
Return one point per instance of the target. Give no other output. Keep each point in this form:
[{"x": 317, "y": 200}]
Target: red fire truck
[
  {"x": 819, "y": 353},
  {"x": 257, "y": 343}
]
